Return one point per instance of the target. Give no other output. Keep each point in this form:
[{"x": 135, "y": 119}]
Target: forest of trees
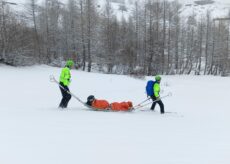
[{"x": 155, "y": 39}]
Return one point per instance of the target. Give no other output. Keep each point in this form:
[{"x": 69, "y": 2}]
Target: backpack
[{"x": 149, "y": 88}]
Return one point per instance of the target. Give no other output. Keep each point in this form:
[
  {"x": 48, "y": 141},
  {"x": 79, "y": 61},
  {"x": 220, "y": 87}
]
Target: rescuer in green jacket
[
  {"x": 65, "y": 79},
  {"x": 156, "y": 96}
]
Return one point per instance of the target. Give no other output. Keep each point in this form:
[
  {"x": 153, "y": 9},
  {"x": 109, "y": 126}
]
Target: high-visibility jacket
[
  {"x": 65, "y": 76},
  {"x": 156, "y": 88},
  {"x": 100, "y": 104}
]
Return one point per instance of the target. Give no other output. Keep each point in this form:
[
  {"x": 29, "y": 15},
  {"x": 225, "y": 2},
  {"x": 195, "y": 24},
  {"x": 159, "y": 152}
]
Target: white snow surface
[
  {"x": 219, "y": 9},
  {"x": 34, "y": 131}
]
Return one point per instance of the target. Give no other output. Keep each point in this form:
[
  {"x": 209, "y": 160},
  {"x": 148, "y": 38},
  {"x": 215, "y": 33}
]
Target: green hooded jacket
[
  {"x": 156, "y": 89},
  {"x": 65, "y": 76}
]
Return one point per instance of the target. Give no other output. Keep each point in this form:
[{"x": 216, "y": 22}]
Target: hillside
[
  {"x": 35, "y": 131},
  {"x": 218, "y": 8},
  {"x": 124, "y": 8}
]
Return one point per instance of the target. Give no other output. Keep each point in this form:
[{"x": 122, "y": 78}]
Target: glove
[{"x": 158, "y": 98}]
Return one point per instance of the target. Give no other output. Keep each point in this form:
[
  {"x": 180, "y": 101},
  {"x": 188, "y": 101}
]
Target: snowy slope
[
  {"x": 34, "y": 131},
  {"x": 116, "y": 6},
  {"x": 220, "y": 8}
]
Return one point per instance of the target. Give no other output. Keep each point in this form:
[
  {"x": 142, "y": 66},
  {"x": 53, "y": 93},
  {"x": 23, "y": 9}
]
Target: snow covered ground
[
  {"x": 34, "y": 131},
  {"x": 218, "y": 9}
]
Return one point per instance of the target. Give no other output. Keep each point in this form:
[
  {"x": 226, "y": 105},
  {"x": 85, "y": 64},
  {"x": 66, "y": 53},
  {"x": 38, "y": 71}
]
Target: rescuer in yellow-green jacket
[
  {"x": 65, "y": 79},
  {"x": 156, "y": 95}
]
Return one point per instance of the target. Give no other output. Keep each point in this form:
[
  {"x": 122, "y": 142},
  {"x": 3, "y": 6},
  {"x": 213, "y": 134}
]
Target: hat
[
  {"x": 69, "y": 63},
  {"x": 157, "y": 78}
]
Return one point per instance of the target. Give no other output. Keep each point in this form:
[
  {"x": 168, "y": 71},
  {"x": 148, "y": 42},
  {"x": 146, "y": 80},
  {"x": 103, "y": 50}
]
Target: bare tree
[
  {"x": 91, "y": 20},
  {"x": 32, "y": 10},
  {"x": 207, "y": 41},
  {"x": 83, "y": 35},
  {"x": 200, "y": 52}
]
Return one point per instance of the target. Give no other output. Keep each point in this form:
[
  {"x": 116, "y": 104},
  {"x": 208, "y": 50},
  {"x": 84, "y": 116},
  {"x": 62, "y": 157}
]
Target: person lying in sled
[{"x": 104, "y": 105}]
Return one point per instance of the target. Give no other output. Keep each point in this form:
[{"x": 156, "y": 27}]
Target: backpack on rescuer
[{"x": 149, "y": 88}]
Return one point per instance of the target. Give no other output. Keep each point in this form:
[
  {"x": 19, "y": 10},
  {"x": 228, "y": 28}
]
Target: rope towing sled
[{"x": 135, "y": 107}]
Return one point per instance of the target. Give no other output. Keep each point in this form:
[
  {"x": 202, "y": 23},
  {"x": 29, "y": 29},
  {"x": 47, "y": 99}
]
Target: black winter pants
[
  {"x": 157, "y": 102},
  {"x": 65, "y": 96}
]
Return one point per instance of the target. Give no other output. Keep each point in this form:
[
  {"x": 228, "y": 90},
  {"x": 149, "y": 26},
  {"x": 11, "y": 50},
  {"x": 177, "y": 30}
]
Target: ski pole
[
  {"x": 142, "y": 102},
  {"x": 141, "y": 106},
  {"x": 52, "y": 79}
]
